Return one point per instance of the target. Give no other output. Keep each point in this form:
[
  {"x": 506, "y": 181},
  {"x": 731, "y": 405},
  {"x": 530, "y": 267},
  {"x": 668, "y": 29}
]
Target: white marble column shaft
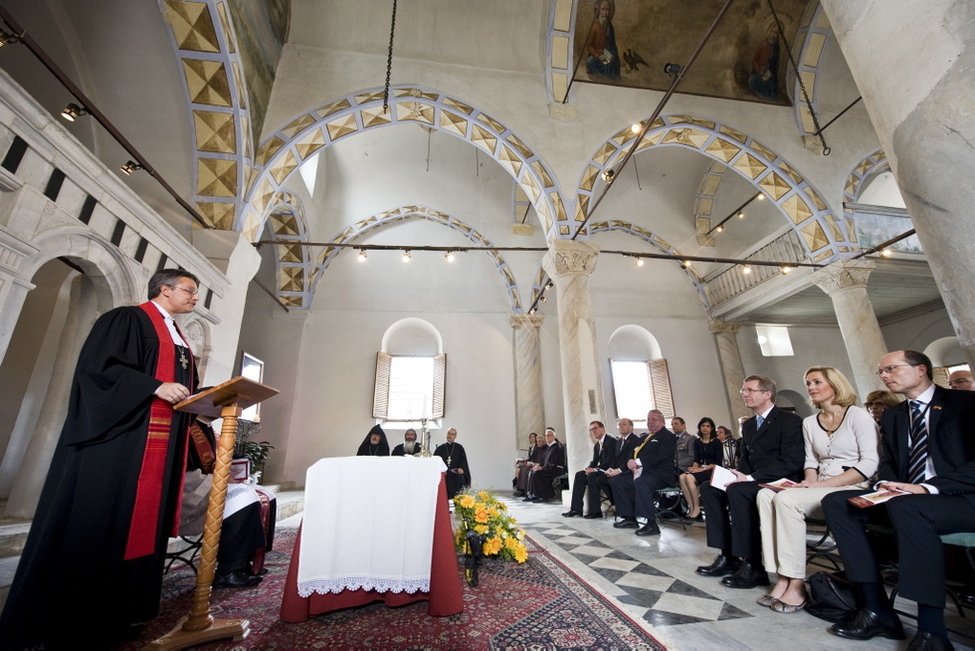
[
  {"x": 846, "y": 284},
  {"x": 732, "y": 370},
  {"x": 569, "y": 263},
  {"x": 529, "y": 405}
]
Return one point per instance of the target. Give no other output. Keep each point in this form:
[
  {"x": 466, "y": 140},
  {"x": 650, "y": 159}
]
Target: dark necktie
[{"x": 918, "y": 460}]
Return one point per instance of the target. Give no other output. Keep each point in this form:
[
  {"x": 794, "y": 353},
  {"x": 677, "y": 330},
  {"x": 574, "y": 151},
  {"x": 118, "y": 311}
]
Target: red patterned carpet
[{"x": 539, "y": 604}]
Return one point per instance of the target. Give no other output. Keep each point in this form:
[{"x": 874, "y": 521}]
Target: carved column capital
[
  {"x": 843, "y": 275},
  {"x": 570, "y": 257},
  {"x": 525, "y": 320},
  {"x": 717, "y": 326}
]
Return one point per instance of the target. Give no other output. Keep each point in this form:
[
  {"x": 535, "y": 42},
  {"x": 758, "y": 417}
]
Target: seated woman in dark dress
[{"x": 707, "y": 453}]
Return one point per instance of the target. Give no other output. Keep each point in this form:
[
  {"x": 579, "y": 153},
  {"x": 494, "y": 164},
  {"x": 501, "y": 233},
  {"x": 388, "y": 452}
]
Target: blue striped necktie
[{"x": 918, "y": 461}]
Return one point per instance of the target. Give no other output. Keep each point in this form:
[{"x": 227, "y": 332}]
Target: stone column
[
  {"x": 846, "y": 284},
  {"x": 569, "y": 264},
  {"x": 732, "y": 369},
  {"x": 529, "y": 406},
  {"x": 920, "y": 105}
]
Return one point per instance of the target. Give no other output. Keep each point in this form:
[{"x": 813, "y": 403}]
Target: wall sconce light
[
  {"x": 608, "y": 175},
  {"x": 130, "y": 167},
  {"x": 72, "y": 112},
  {"x": 449, "y": 256},
  {"x": 639, "y": 262},
  {"x": 407, "y": 256},
  {"x": 362, "y": 255},
  {"x": 6, "y": 37},
  {"x": 747, "y": 269}
]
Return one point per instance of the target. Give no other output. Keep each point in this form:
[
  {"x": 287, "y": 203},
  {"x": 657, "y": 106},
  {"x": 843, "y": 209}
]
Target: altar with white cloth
[{"x": 374, "y": 528}]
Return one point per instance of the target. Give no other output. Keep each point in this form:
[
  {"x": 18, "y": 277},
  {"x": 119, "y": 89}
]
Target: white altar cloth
[{"x": 368, "y": 524}]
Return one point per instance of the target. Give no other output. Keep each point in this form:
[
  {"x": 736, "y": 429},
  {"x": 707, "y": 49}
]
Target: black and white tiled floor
[{"x": 653, "y": 579}]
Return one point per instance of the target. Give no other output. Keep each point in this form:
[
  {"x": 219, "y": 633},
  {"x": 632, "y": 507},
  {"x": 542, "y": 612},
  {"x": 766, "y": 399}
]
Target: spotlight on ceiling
[
  {"x": 672, "y": 69},
  {"x": 544, "y": 299},
  {"x": 741, "y": 215},
  {"x": 407, "y": 256},
  {"x": 685, "y": 263},
  {"x": 362, "y": 255},
  {"x": 747, "y": 269},
  {"x": 886, "y": 253},
  {"x": 639, "y": 262},
  {"x": 608, "y": 175},
  {"x": 6, "y": 37},
  {"x": 531, "y": 311},
  {"x": 719, "y": 229},
  {"x": 549, "y": 285},
  {"x": 785, "y": 269},
  {"x": 636, "y": 127},
  {"x": 72, "y": 112},
  {"x": 761, "y": 196},
  {"x": 449, "y": 256},
  {"x": 130, "y": 167}
]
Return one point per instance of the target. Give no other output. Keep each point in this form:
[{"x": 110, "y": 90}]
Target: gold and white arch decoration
[
  {"x": 874, "y": 163},
  {"x": 362, "y": 228},
  {"x": 824, "y": 238},
  {"x": 205, "y": 43},
  {"x": 294, "y": 262},
  {"x": 704, "y": 201},
  {"x": 811, "y": 42}
]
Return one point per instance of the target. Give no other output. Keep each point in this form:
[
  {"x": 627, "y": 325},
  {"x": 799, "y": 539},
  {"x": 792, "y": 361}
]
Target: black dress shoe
[
  {"x": 928, "y": 642},
  {"x": 538, "y": 500},
  {"x": 572, "y": 514},
  {"x": 868, "y": 624},
  {"x": 529, "y": 498},
  {"x": 747, "y": 577},
  {"x": 236, "y": 579},
  {"x": 627, "y": 523},
  {"x": 967, "y": 599},
  {"x": 649, "y": 529},
  {"x": 519, "y": 493},
  {"x": 593, "y": 516},
  {"x": 722, "y": 565}
]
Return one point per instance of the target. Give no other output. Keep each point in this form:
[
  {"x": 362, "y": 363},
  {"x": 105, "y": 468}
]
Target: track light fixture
[
  {"x": 72, "y": 112},
  {"x": 747, "y": 269},
  {"x": 544, "y": 299},
  {"x": 719, "y": 229},
  {"x": 639, "y": 262},
  {"x": 741, "y": 215},
  {"x": 449, "y": 256},
  {"x": 6, "y": 37},
  {"x": 886, "y": 253},
  {"x": 761, "y": 196},
  {"x": 785, "y": 269},
  {"x": 362, "y": 255},
  {"x": 130, "y": 167},
  {"x": 636, "y": 127},
  {"x": 549, "y": 285},
  {"x": 672, "y": 69},
  {"x": 608, "y": 175},
  {"x": 685, "y": 263},
  {"x": 407, "y": 256}
]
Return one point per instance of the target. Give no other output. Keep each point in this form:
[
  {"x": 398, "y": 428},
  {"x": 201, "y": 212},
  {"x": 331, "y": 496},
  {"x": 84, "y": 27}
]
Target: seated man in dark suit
[
  {"x": 651, "y": 468},
  {"x": 772, "y": 448},
  {"x": 552, "y": 465},
  {"x": 603, "y": 456},
  {"x": 627, "y": 443},
  {"x": 927, "y": 451}
]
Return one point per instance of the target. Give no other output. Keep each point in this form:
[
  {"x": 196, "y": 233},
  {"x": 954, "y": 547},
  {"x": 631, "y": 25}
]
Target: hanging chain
[
  {"x": 389, "y": 59},
  {"x": 802, "y": 86}
]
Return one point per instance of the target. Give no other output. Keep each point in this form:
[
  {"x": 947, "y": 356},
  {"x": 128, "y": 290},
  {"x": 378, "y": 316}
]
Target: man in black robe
[
  {"x": 544, "y": 473},
  {"x": 409, "y": 447},
  {"x": 91, "y": 570},
  {"x": 458, "y": 472},
  {"x": 375, "y": 444}
]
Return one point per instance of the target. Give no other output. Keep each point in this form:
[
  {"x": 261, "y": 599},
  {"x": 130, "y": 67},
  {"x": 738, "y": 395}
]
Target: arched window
[
  {"x": 641, "y": 380},
  {"x": 410, "y": 375}
]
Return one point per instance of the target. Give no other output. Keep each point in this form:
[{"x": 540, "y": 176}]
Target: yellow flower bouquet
[{"x": 480, "y": 512}]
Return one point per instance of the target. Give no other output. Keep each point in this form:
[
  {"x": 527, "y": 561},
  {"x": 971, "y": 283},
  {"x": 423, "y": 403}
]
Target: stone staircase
[{"x": 13, "y": 533}]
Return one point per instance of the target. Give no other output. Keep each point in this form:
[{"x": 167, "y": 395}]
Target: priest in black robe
[
  {"x": 92, "y": 566},
  {"x": 409, "y": 447},
  {"x": 375, "y": 444},
  {"x": 458, "y": 472}
]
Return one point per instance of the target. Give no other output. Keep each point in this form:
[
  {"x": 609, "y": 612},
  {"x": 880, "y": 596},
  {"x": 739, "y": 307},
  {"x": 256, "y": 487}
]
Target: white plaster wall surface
[{"x": 919, "y": 331}]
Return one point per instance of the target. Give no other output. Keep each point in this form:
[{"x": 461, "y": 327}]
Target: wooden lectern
[{"x": 225, "y": 401}]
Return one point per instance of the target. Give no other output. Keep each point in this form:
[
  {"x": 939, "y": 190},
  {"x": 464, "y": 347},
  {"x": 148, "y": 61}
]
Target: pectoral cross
[{"x": 183, "y": 361}]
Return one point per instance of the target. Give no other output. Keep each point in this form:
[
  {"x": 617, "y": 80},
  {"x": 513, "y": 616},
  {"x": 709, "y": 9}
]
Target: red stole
[{"x": 148, "y": 497}]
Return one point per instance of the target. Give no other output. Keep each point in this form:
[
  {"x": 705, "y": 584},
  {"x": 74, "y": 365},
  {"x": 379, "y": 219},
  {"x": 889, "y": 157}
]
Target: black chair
[{"x": 186, "y": 555}]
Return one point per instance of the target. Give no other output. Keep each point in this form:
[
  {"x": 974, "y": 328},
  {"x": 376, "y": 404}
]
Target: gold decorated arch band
[
  {"x": 870, "y": 165},
  {"x": 205, "y": 43},
  {"x": 823, "y": 237}
]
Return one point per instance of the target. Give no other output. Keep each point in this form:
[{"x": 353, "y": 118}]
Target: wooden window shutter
[
  {"x": 663, "y": 397},
  {"x": 439, "y": 384},
  {"x": 380, "y": 400}
]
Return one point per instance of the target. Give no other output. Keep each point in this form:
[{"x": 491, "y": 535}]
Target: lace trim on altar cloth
[{"x": 335, "y": 586}]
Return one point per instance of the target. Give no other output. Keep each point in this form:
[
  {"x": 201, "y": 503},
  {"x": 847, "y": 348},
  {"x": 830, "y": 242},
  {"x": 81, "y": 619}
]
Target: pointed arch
[{"x": 822, "y": 236}]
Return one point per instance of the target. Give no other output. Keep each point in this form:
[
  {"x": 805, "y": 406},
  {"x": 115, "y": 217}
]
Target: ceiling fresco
[{"x": 629, "y": 43}]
